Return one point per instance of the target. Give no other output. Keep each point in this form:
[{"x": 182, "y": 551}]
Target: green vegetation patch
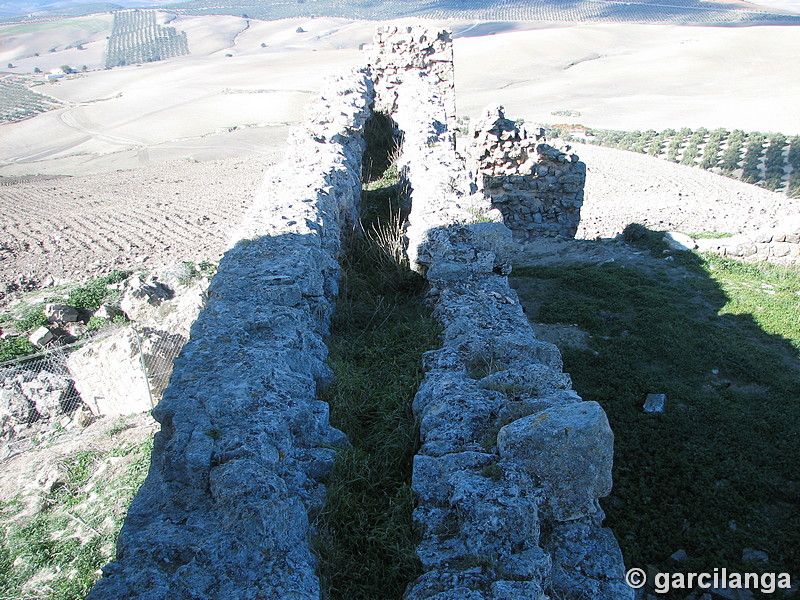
[
  {"x": 92, "y": 294},
  {"x": 379, "y": 331},
  {"x": 717, "y": 472},
  {"x": 52, "y": 547}
]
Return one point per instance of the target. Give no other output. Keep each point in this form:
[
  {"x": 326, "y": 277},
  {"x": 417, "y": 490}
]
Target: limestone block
[
  {"x": 142, "y": 297},
  {"x": 779, "y": 250},
  {"x": 655, "y": 403},
  {"x": 41, "y": 336},
  {"x": 587, "y": 561},
  {"x": 109, "y": 375},
  {"x": 533, "y": 379},
  {"x": 61, "y": 313},
  {"x": 106, "y": 311},
  {"x": 569, "y": 449}
]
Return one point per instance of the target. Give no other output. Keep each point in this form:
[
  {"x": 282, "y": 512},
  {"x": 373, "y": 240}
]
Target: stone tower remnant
[{"x": 537, "y": 187}]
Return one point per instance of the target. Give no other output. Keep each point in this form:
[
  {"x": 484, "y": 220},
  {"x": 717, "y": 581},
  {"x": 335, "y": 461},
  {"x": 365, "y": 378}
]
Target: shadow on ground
[{"x": 717, "y": 472}]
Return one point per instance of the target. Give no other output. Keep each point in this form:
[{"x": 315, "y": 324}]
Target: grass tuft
[{"x": 56, "y": 554}]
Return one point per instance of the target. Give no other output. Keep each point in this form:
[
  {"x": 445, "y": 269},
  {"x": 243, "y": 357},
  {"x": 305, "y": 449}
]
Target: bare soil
[{"x": 58, "y": 229}]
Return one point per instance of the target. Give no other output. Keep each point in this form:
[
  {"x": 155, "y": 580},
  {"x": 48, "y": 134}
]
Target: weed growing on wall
[{"x": 717, "y": 472}]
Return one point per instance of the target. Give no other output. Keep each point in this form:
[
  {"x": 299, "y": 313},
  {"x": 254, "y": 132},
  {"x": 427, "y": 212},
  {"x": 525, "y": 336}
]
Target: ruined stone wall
[
  {"x": 237, "y": 468},
  {"x": 512, "y": 461},
  {"x": 399, "y": 52},
  {"x": 780, "y": 246},
  {"x": 538, "y": 188}
]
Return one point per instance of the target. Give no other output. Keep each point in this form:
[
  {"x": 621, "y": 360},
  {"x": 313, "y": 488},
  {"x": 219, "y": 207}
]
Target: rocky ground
[{"x": 625, "y": 187}]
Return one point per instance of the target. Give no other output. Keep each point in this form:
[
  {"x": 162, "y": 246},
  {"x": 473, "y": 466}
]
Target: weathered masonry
[
  {"x": 512, "y": 461},
  {"x": 237, "y": 468}
]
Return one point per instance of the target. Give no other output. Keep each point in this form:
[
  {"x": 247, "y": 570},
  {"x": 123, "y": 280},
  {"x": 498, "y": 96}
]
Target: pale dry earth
[
  {"x": 129, "y": 137},
  {"x": 627, "y": 187},
  {"x": 232, "y": 96},
  {"x": 75, "y": 228}
]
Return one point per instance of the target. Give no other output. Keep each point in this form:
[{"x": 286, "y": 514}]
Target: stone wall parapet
[
  {"x": 512, "y": 461},
  {"x": 238, "y": 467}
]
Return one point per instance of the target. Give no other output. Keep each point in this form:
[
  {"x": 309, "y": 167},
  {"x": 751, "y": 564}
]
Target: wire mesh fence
[{"x": 119, "y": 371}]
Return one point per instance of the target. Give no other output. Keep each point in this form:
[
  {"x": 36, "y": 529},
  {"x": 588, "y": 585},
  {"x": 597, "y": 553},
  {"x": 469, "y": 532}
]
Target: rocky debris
[
  {"x": 124, "y": 373},
  {"x": 754, "y": 556},
  {"x": 679, "y": 556},
  {"x": 245, "y": 446},
  {"x": 142, "y": 297},
  {"x": 41, "y": 337},
  {"x": 538, "y": 188},
  {"x": 499, "y": 426},
  {"x": 30, "y": 400},
  {"x": 655, "y": 403},
  {"x": 61, "y": 313},
  {"x": 107, "y": 311}
]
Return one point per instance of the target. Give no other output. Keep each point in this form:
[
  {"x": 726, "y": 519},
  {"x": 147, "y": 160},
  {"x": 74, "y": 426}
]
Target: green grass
[
  {"x": 710, "y": 235},
  {"x": 717, "y": 472},
  {"x": 56, "y": 553},
  {"x": 379, "y": 331}
]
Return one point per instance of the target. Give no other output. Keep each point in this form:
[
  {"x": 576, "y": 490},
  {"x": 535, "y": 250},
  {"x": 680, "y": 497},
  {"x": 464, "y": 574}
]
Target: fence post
[{"x": 144, "y": 368}]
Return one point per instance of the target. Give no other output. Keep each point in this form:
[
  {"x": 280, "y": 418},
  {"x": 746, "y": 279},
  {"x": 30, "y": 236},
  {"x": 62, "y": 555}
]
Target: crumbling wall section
[
  {"x": 780, "y": 246},
  {"x": 537, "y": 187},
  {"x": 239, "y": 465},
  {"x": 400, "y": 52},
  {"x": 512, "y": 461}
]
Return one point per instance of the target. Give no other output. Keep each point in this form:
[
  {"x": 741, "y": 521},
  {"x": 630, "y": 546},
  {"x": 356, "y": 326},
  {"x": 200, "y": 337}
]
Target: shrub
[
  {"x": 752, "y": 158},
  {"x": 733, "y": 152},
  {"x": 773, "y": 162},
  {"x": 31, "y": 319},
  {"x": 91, "y": 295},
  {"x": 794, "y": 153},
  {"x": 711, "y": 152},
  {"x": 15, "y": 347}
]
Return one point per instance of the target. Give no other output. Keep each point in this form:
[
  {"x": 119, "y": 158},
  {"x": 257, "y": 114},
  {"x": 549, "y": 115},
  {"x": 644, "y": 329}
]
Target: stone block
[
  {"x": 109, "y": 375},
  {"x": 41, "y": 337},
  {"x": 61, "y": 313},
  {"x": 569, "y": 450},
  {"x": 655, "y": 403}
]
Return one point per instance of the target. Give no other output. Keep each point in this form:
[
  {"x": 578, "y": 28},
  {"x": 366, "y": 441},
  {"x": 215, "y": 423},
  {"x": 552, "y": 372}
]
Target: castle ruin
[{"x": 511, "y": 461}]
